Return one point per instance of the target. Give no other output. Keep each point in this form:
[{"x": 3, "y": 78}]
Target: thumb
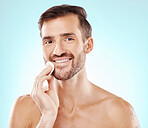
[{"x": 52, "y": 84}]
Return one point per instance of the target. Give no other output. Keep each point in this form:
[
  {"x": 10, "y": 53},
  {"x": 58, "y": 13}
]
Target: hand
[{"x": 47, "y": 103}]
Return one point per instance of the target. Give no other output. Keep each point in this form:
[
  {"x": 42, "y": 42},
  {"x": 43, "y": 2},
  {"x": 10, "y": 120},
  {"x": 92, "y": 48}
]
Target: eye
[
  {"x": 49, "y": 42},
  {"x": 69, "y": 39}
]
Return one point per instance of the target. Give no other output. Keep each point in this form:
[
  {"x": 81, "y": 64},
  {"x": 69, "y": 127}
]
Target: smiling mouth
[{"x": 62, "y": 60}]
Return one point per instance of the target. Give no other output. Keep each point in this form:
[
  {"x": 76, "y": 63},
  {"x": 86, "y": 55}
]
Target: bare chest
[{"x": 89, "y": 118}]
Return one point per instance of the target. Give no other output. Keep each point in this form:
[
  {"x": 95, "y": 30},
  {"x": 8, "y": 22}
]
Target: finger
[
  {"x": 40, "y": 82},
  {"x": 41, "y": 77},
  {"x": 53, "y": 85},
  {"x": 53, "y": 90},
  {"x": 48, "y": 70},
  {"x": 50, "y": 64},
  {"x": 35, "y": 89},
  {"x": 38, "y": 85},
  {"x": 45, "y": 88},
  {"x": 45, "y": 71}
]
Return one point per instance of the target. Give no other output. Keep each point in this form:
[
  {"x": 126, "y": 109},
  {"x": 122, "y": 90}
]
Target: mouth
[{"x": 62, "y": 60}]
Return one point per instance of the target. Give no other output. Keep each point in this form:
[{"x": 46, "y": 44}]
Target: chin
[{"x": 63, "y": 75}]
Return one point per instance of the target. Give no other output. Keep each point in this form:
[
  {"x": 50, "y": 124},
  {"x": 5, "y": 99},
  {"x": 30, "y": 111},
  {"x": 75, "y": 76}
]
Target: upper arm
[
  {"x": 123, "y": 115},
  {"x": 19, "y": 114},
  {"x": 133, "y": 117}
]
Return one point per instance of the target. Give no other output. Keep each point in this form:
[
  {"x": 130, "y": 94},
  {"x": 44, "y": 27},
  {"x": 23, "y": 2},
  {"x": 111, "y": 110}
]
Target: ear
[{"x": 89, "y": 45}]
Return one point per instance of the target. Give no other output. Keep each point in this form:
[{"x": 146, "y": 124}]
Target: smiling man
[{"x": 71, "y": 100}]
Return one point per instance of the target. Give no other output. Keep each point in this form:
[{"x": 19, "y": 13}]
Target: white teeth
[{"x": 60, "y": 61}]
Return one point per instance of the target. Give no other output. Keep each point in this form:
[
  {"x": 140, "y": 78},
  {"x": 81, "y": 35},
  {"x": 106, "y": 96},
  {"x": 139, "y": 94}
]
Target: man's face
[{"x": 63, "y": 45}]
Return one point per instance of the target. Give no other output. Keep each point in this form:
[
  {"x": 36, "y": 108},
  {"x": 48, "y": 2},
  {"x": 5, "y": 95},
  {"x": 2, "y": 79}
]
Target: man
[{"x": 70, "y": 101}]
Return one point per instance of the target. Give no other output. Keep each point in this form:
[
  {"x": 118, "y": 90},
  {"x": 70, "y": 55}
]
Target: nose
[{"x": 58, "y": 50}]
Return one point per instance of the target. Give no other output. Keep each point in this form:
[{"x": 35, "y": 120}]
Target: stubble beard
[{"x": 76, "y": 66}]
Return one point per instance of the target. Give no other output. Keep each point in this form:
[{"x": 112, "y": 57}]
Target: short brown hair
[{"x": 63, "y": 10}]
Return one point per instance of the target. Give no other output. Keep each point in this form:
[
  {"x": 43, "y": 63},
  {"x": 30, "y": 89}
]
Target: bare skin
[{"x": 71, "y": 103}]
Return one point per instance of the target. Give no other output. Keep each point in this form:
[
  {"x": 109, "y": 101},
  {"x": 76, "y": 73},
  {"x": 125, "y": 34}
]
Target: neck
[{"x": 74, "y": 92}]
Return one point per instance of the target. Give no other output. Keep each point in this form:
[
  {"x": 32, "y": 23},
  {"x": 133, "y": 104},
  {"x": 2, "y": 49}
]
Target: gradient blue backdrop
[{"x": 118, "y": 62}]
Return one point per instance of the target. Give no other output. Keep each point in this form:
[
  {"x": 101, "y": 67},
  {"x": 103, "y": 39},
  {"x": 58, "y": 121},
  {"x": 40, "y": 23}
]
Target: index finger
[{"x": 46, "y": 71}]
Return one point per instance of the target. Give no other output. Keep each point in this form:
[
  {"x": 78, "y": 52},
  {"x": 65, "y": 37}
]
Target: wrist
[{"x": 46, "y": 121}]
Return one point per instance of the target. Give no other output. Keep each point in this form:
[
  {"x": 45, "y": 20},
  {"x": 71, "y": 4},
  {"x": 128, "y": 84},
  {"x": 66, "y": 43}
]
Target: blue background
[{"x": 118, "y": 62}]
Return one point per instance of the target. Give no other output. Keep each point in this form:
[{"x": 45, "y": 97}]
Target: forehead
[{"x": 63, "y": 24}]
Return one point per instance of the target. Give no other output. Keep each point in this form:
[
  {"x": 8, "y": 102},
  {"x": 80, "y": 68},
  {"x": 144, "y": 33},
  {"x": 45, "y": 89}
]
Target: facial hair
[{"x": 77, "y": 64}]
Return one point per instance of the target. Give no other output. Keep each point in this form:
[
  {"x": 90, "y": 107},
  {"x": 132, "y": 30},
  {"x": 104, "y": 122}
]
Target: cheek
[
  {"x": 46, "y": 51},
  {"x": 77, "y": 48}
]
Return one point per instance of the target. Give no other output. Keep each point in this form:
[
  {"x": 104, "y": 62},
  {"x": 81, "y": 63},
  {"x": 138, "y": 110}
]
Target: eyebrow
[
  {"x": 47, "y": 37},
  {"x": 62, "y": 35},
  {"x": 67, "y": 34}
]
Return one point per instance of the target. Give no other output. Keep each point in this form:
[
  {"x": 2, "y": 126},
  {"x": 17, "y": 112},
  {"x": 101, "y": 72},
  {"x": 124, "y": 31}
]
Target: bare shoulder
[
  {"x": 119, "y": 111},
  {"x": 122, "y": 113},
  {"x": 22, "y": 113},
  {"x": 24, "y": 101}
]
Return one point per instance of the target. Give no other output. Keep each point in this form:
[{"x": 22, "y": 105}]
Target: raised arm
[{"x": 47, "y": 104}]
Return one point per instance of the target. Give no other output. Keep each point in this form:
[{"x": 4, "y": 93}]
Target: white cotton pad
[
  {"x": 52, "y": 65},
  {"x": 45, "y": 83}
]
